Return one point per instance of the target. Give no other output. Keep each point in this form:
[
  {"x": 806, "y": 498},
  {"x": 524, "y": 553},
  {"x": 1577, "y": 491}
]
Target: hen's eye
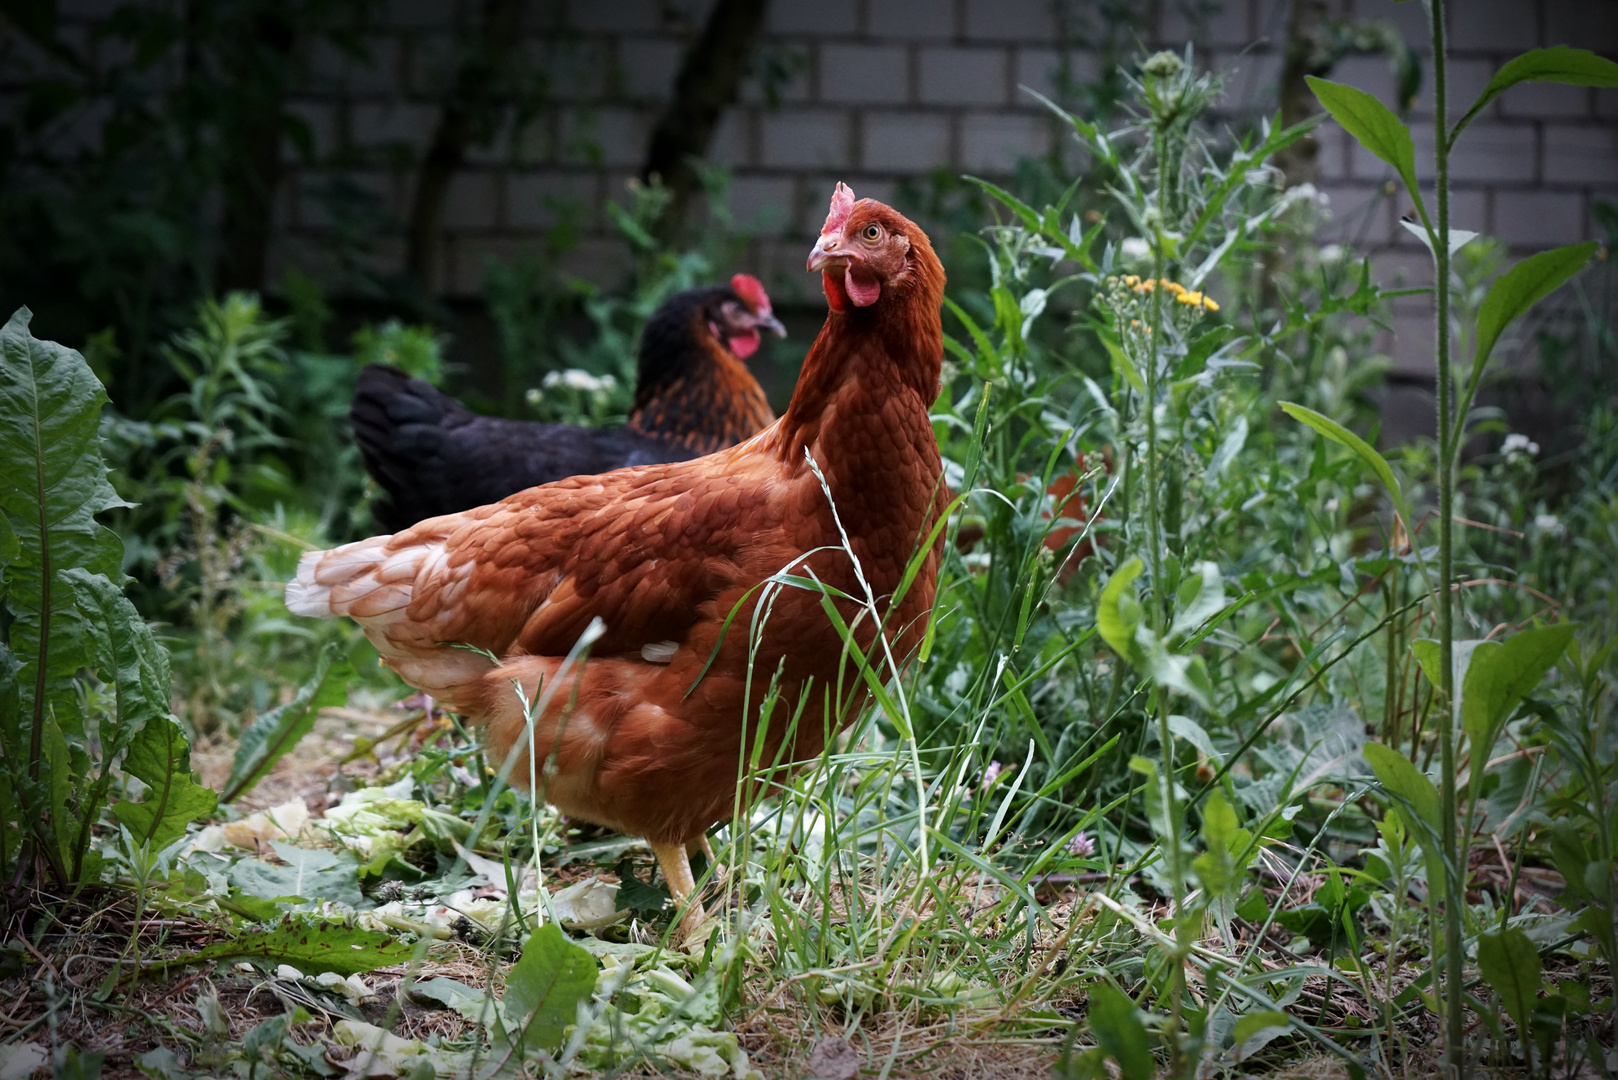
[{"x": 873, "y": 232}]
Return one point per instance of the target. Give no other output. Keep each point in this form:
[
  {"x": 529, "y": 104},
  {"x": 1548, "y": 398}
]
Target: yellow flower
[
  {"x": 1208, "y": 302},
  {"x": 1132, "y": 280},
  {"x": 1189, "y": 299},
  {"x": 1174, "y": 287}
]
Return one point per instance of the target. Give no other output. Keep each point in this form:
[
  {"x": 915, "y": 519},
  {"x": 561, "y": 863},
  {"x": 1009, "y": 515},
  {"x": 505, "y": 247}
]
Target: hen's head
[
  {"x": 868, "y": 251},
  {"x": 738, "y": 314}
]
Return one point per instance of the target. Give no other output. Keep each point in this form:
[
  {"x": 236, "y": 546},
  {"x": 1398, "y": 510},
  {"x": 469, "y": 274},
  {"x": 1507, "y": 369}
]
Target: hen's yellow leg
[
  {"x": 677, "y": 871},
  {"x": 701, "y": 844}
]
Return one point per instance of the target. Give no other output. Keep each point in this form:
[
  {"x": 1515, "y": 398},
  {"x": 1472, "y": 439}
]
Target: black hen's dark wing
[{"x": 432, "y": 456}]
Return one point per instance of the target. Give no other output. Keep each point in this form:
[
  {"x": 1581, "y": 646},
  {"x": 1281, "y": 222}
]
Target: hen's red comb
[
  {"x": 842, "y": 205},
  {"x": 751, "y": 290}
]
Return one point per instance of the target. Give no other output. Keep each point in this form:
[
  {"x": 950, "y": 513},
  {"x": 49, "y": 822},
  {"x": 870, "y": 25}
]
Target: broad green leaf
[
  {"x": 1509, "y": 963},
  {"x": 345, "y": 950},
  {"x": 473, "y": 1005},
  {"x": 1222, "y": 836},
  {"x": 126, "y": 656},
  {"x": 1117, "y": 1027},
  {"x": 545, "y": 987},
  {"x": 55, "y": 485},
  {"x": 1376, "y": 128},
  {"x": 1254, "y": 1022},
  {"x": 1403, "y": 779},
  {"x": 278, "y": 730},
  {"x": 1340, "y": 434},
  {"x": 1558, "y": 64},
  {"x": 1202, "y": 596},
  {"x": 1183, "y": 727},
  {"x": 160, "y": 758},
  {"x": 1228, "y": 449},
  {"x": 309, "y": 875},
  {"x": 1429, "y": 655},
  {"x": 1520, "y": 288},
  {"x": 1123, "y": 363},
  {"x": 1118, "y": 613},
  {"x": 1497, "y": 679}
]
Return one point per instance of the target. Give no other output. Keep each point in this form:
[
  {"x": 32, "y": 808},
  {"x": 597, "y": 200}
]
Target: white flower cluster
[
  {"x": 577, "y": 379},
  {"x": 1306, "y": 193},
  {"x": 1517, "y": 445}
]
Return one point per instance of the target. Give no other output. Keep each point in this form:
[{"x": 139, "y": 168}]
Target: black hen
[{"x": 693, "y": 395}]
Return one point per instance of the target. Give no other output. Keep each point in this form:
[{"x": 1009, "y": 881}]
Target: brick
[
  {"x": 429, "y": 64},
  {"x": 1251, "y": 81},
  {"x": 315, "y": 192},
  {"x": 1373, "y": 74},
  {"x": 1041, "y": 70},
  {"x": 800, "y": 138},
  {"x": 864, "y": 73},
  {"x": 319, "y": 120},
  {"x": 1607, "y": 202},
  {"x": 1581, "y": 155},
  {"x": 1409, "y": 19},
  {"x": 538, "y": 200},
  {"x": 1587, "y": 24},
  {"x": 993, "y": 144},
  {"x": 1225, "y": 23},
  {"x": 1413, "y": 346},
  {"x": 1498, "y": 26},
  {"x": 820, "y": 18},
  {"x": 87, "y": 9},
  {"x": 1361, "y": 214},
  {"x": 473, "y": 200},
  {"x": 1467, "y": 78},
  {"x": 1010, "y": 20},
  {"x": 391, "y": 126},
  {"x": 963, "y": 76},
  {"x": 608, "y": 136},
  {"x": 1405, "y": 268},
  {"x": 1332, "y": 156},
  {"x": 647, "y": 67},
  {"x": 1546, "y": 100},
  {"x": 912, "y": 20},
  {"x": 616, "y": 16},
  {"x": 576, "y": 69},
  {"x": 420, "y": 14},
  {"x": 732, "y": 141},
  {"x": 905, "y": 142},
  {"x": 761, "y": 203},
  {"x": 1540, "y": 219},
  {"x": 537, "y": 142},
  {"x": 375, "y": 70},
  {"x": 1488, "y": 153},
  {"x": 789, "y": 67}
]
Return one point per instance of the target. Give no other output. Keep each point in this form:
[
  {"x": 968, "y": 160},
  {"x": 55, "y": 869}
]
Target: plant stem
[{"x": 1448, "y": 434}]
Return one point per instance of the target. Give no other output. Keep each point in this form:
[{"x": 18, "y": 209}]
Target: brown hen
[{"x": 646, "y": 736}]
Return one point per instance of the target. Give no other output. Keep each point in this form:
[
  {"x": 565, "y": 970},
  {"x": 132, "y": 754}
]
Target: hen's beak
[
  {"x": 771, "y": 323},
  {"x": 828, "y": 247}
]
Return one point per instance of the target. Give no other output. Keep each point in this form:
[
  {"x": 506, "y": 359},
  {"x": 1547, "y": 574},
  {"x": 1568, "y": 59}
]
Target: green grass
[{"x": 1164, "y": 798}]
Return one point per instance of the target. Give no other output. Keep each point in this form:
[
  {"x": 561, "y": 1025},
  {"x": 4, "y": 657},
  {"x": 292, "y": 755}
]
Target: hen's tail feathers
[
  {"x": 364, "y": 581},
  {"x": 402, "y": 426}
]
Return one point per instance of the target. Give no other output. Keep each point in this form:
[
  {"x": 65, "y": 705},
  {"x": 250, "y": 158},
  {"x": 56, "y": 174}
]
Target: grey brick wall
[{"x": 889, "y": 90}]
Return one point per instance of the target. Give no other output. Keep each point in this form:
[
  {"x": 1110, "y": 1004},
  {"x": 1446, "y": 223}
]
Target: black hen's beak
[{"x": 769, "y": 322}]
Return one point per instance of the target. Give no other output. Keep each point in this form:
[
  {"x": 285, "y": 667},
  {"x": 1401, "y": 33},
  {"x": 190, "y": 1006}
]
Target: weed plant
[{"x": 1196, "y": 771}]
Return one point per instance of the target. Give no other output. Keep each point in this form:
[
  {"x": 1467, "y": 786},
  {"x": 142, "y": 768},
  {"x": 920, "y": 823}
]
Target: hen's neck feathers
[
  {"x": 894, "y": 345},
  {"x": 690, "y": 388}
]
